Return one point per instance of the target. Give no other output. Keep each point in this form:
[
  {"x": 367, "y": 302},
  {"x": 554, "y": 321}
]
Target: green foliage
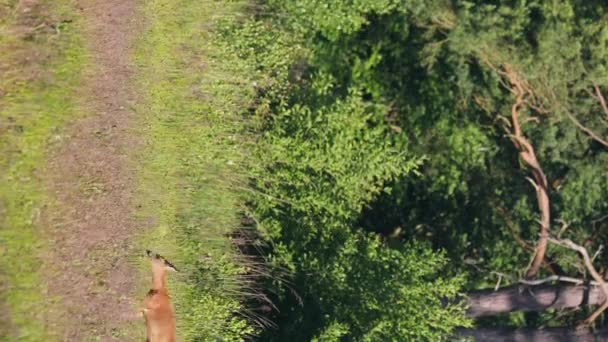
[
  {"x": 329, "y": 160},
  {"x": 374, "y": 90},
  {"x": 382, "y": 179},
  {"x": 321, "y": 166},
  {"x": 325, "y": 152},
  {"x": 380, "y": 293}
]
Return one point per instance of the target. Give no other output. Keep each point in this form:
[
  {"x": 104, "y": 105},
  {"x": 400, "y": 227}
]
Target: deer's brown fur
[{"x": 158, "y": 311}]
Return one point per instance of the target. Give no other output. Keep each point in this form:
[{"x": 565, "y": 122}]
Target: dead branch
[
  {"x": 498, "y": 282},
  {"x": 552, "y": 278},
  {"x": 594, "y": 274},
  {"x": 563, "y": 228},
  {"x": 558, "y": 278},
  {"x": 588, "y": 131},
  {"x": 602, "y": 100},
  {"x": 597, "y": 253},
  {"x": 600, "y": 97}
]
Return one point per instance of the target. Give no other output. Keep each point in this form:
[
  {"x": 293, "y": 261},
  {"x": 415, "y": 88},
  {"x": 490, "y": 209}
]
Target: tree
[{"x": 418, "y": 122}]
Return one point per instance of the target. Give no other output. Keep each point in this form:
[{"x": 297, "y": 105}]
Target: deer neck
[{"x": 159, "y": 280}]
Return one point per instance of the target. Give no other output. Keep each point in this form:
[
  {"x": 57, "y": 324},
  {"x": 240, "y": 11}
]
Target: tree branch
[
  {"x": 526, "y": 153},
  {"x": 602, "y": 100},
  {"x": 553, "y": 278},
  {"x": 589, "y": 265},
  {"x": 588, "y": 131}
]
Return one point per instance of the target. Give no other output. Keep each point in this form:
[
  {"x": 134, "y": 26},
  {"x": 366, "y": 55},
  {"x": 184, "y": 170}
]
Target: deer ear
[
  {"x": 153, "y": 255},
  {"x": 170, "y": 266}
]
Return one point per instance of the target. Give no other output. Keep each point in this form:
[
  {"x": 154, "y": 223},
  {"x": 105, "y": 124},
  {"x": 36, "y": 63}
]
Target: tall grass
[
  {"x": 40, "y": 66},
  {"x": 194, "y": 163}
]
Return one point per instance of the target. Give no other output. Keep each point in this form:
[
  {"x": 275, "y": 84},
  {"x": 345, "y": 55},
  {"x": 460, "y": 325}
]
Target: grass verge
[
  {"x": 194, "y": 161},
  {"x": 40, "y": 67}
]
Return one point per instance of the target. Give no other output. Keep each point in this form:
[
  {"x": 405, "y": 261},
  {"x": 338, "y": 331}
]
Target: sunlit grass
[{"x": 193, "y": 165}]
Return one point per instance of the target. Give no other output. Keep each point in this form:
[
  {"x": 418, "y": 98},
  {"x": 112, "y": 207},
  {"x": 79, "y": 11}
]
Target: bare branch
[
  {"x": 555, "y": 278},
  {"x": 532, "y": 118},
  {"x": 504, "y": 120},
  {"x": 498, "y": 282},
  {"x": 589, "y": 265},
  {"x": 531, "y": 181},
  {"x": 563, "y": 228},
  {"x": 588, "y": 131},
  {"x": 601, "y": 98}
]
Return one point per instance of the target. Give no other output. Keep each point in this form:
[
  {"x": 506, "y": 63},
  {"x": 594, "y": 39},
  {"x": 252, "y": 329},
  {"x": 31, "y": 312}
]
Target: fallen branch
[
  {"x": 520, "y": 297},
  {"x": 553, "y": 334},
  {"x": 594, "y": 274}
]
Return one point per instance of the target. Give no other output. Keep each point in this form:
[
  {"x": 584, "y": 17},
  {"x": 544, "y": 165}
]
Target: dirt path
[{"x": 92, "y": 181}]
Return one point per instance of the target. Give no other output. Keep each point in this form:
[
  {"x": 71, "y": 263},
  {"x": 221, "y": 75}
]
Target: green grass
[
  {"x": 32, "y": 115},
  {"x": 193, "y": 165}
]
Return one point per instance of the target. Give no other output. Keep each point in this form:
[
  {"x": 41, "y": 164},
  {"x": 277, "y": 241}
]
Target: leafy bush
[
  {"x": 324, "y": 153},
  {"x": 389, "y": 117}
]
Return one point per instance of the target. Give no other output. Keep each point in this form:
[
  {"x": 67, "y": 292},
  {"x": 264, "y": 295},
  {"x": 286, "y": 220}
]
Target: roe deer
[{"x": 158, "y": 311}]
